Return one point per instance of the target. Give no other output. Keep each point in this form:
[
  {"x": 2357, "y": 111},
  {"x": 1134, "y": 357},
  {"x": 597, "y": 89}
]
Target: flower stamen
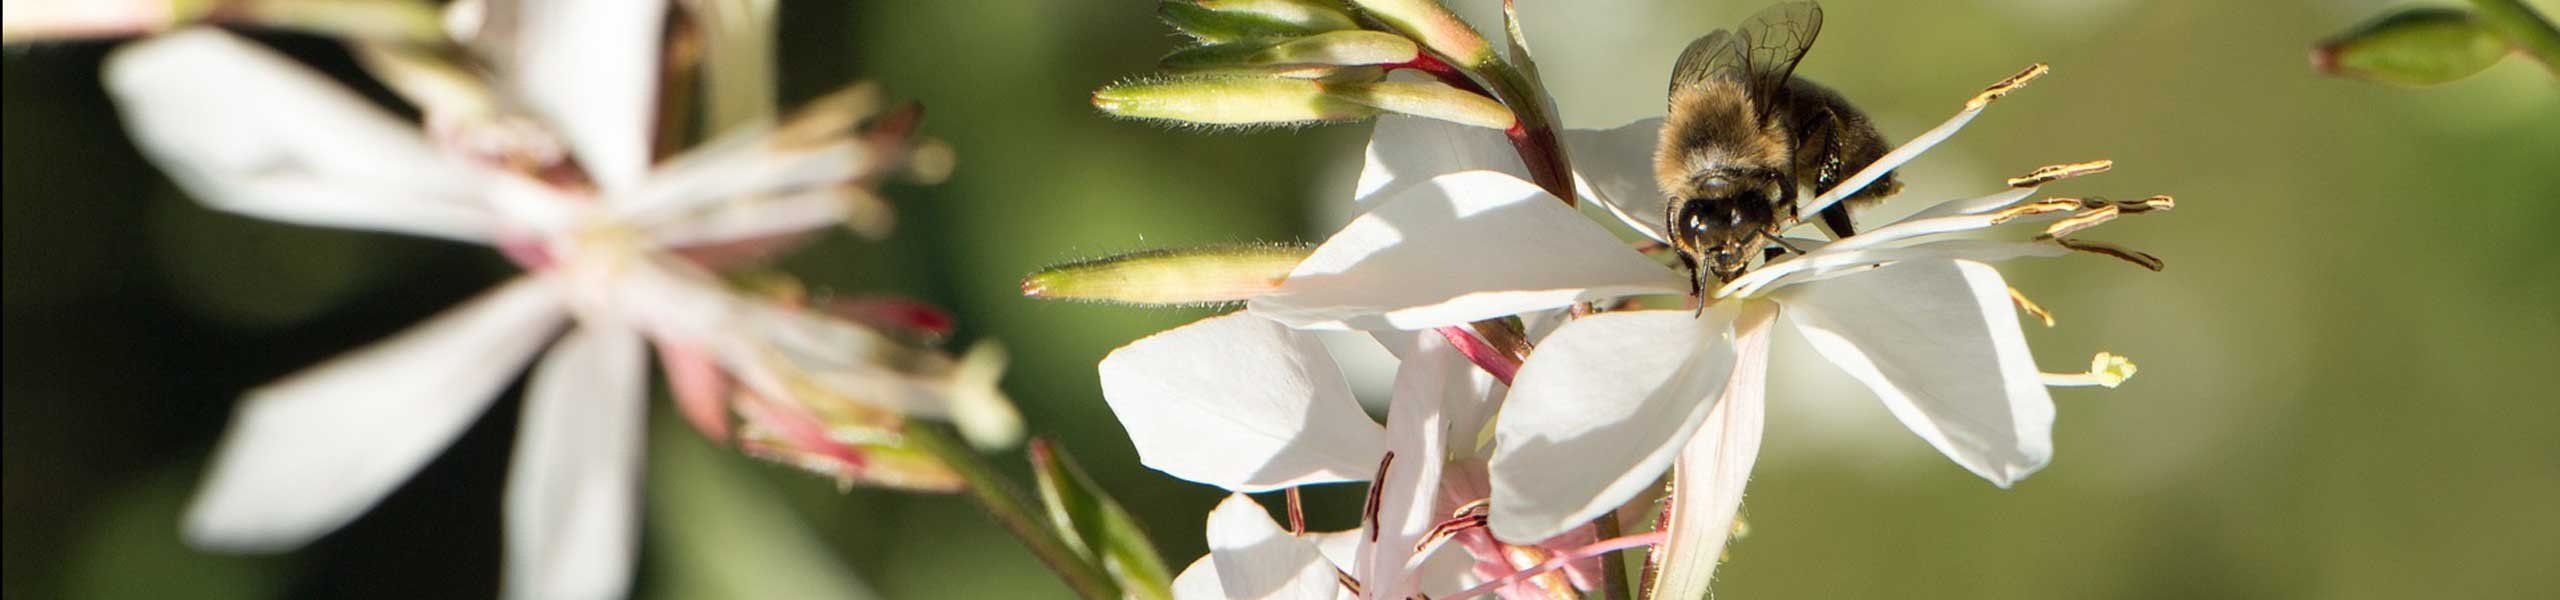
[
  {"x": 2007, "y": 85},
  {"x": 1377, "y": 487},
  {"x": 1297, "y": 512},
  {"x": 2052, "y": 173},
  {"x": 1470, "y": 516},
  {"x": 2030, "y": 306},
  {"x": 2137, "y": 257},
  {"x": 2105, "y": 370}
]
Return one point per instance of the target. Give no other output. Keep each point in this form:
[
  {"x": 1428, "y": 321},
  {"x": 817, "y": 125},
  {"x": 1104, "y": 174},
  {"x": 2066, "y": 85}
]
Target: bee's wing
[
  {"x": 1773, "y": 42},
  {"x": 1716, "y": 54}
]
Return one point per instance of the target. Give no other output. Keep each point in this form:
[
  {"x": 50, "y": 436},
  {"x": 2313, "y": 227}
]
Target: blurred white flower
[
  {"x": 1608, "y": 402},
  {"x": 617, "y": 248}
]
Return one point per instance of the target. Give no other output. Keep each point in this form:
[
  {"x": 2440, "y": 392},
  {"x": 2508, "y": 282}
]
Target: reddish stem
[
  {"x": 1482, "y": 354},
  {"x": 1539, "y": 150},
  {"x": 1441, "y": 70},
  {"x": 1537, "y": 147}
]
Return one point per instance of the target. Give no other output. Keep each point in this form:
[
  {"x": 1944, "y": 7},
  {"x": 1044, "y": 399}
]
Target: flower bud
[
  {"x": 1218, "y": 21},
  {"x": 1191, "y": 276},
  {"x": 1433, "y": 25},
  {"x": 2416, "y": 46},
  {"x": 1228, "y": 101},
  {"x": 1334, "y": 48},
  {"x": 1429, "y": 99}
]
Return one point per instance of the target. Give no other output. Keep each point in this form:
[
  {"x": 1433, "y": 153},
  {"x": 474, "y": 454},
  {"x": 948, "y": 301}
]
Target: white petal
[
  {"x": 1199, "y": 581},
  {"x": 1255, "y": 558},
  {"x": 1417, "y": 424},
  {"x": 1240, "y": 403},
  {"x": 1590, "y": 423},
  {"x": 589, "y": 68},
  {"x": 245, "y": 129},
  {"x": 1939, "y": 342},
  {"x": 749, "y": 218},
  {"x": 573, "y": 490},
  {"x": 307, "y": 454},
  {"x": 1405, "y": 152},
  {"x": 1826, "y": 263},
  {"x": 1615, "y": 169},
  {"x": 791, "y": 352},
  {"x": 744, "y": 165},
  {"x": 1713, "y": 467},
  {"x": 1468, "y": 246},
  {"x": 1890, "y": 161},
  {"x": 1971, "y": 206}
]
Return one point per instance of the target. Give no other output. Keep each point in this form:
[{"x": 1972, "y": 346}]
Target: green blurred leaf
[
  {"x": 1094, "y": 523},
  {"x": 2416, "y": 46}
]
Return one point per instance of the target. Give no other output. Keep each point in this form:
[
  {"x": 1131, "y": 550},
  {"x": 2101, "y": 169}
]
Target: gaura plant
[
  {"x": 546, "y": 136},
  {"x": 1620, "y": 401}
]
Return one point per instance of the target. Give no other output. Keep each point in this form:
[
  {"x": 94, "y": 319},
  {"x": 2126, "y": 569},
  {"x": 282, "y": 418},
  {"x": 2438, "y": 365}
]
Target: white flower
[
  {"x": 249, "y": 131},
  {"x": 1242, "y": 403},
  {"x": 1608, "y": 402}
]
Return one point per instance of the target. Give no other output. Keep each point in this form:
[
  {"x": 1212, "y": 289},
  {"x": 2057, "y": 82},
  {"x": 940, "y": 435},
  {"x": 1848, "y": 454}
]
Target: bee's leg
[
  {"x": 1835, "y": 221},
  {"x": 1697, "y": 276}
]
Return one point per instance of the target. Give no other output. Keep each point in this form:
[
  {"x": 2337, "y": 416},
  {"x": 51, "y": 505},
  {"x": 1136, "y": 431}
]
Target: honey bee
[{"x": 1744, "y": 132}]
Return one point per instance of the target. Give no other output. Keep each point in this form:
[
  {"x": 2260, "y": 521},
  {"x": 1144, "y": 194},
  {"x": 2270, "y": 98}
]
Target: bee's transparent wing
[
  {"x": 1773, "y": 42},
  {"x": 1716, "y": 54}
]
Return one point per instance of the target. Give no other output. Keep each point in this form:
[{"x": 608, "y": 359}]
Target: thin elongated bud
[
  {"x": 1228, "y": 101},
  {"x": 1281, "y": 101},
  {"x": 1433, "y": 25},
  {"x": 2416, "y": 46},
  {"x": 1218, "y": 21},
  {"x": 1339, "y": 48},
  {"x": 1429, "y": 99},
  {"x": 1185, "y": 277}
]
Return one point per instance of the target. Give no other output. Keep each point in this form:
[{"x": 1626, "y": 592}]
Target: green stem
[
  {"x": 1613, "y": 566},
  {"x": 1014, "y": 510},
  {"x": 2529, "y": 31}
]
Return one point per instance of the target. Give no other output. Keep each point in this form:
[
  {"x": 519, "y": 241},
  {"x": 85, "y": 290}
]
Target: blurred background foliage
[{"x": 2346, "y": 386}]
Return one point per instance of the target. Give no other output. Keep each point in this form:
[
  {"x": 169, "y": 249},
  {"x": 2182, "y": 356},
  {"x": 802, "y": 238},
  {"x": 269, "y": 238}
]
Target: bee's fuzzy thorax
[{"x": 1714, "y": 124}]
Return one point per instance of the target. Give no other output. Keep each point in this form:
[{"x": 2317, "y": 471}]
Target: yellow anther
[{"x": 2030, "y": 306}]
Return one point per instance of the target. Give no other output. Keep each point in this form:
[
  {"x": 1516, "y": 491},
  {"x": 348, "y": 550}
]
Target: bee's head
[{"x": 1716, "y": 223}]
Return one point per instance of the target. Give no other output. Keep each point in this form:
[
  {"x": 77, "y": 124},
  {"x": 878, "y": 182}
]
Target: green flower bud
[
  {"x": 1193, "y": 276},
  {"x": 1437, "y": 28},
  {"x": 1283, "y": 101},
  {"x": 1333, "y": 48},
  {"x": 1429, "y": 99},
  {"x": 1219, "y": 21},
  {"x": 2416, "y": 46},
  {"x": 1228, "y": 101}
]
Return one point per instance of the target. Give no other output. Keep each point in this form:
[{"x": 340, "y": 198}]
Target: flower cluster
[
  {"x": 542, "y": 137},
  {"x": 1587, "y": 388}
]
